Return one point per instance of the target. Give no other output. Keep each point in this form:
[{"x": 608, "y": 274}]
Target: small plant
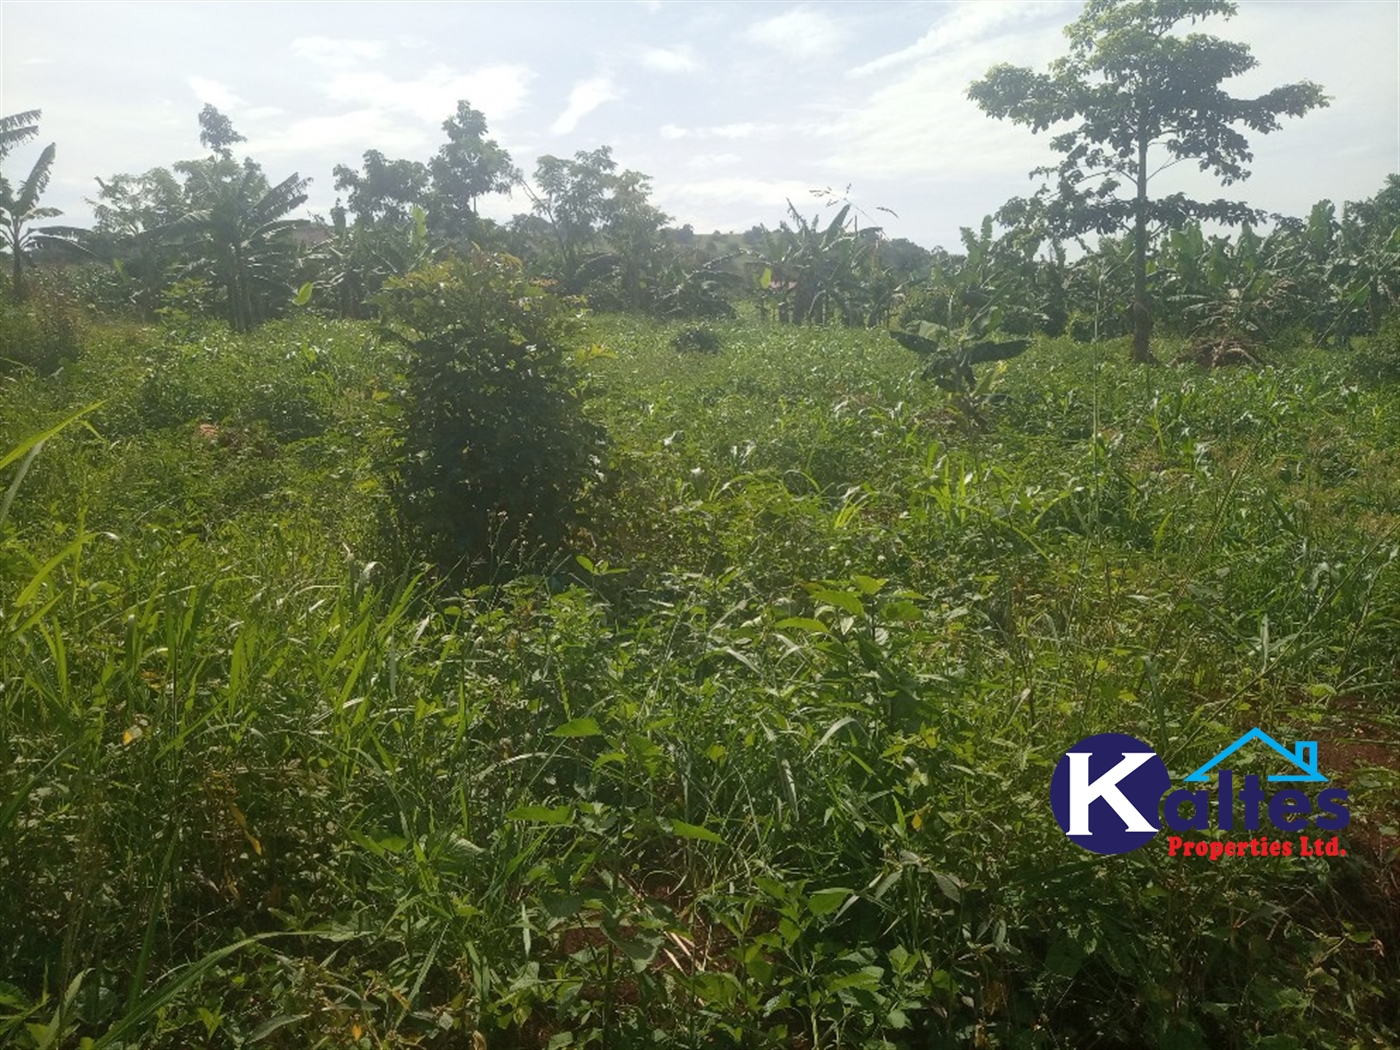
[
  {"x": 951, "y": 353},
  {"x": 700, "y": 339}
]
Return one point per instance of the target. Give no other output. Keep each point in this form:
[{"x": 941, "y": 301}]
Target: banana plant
[
  {"x": 17, "y": 128},
  {"x": 19, "y": 208},
  {"x": 814, "y": 270},
  {"x": 950, "y": 353},
  {"x": 238, "y": 234}
]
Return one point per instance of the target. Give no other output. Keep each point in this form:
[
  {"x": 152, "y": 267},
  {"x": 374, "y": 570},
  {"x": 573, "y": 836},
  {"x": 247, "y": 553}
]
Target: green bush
[
  {"x": 41, "y": 333},
  {"x": 1377, "y": 357},
  {"x": 497, "y": 451},
  {"x": 697, "y": 339}
]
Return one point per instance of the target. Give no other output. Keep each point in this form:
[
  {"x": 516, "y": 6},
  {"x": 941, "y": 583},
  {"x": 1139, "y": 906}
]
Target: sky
[{"x": 733, "y": 109}]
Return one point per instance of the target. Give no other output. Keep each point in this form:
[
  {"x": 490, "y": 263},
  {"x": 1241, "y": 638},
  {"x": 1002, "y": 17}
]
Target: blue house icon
[{"x": 1303, "y": 756}]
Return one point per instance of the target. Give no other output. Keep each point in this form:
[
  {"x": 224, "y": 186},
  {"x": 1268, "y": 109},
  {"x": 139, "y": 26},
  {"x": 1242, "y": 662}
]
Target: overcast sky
[{"x": 731, "y": 108}]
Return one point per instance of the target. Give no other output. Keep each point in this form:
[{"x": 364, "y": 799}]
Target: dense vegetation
[{"x": 418, "y": 632}]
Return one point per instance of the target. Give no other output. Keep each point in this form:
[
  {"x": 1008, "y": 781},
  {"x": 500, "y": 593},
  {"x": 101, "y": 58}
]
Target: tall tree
[
  {"x": 387, "y": 189},
  {"x": 573, "y": 199},
  {"x": 216, "y": 131},
  {"x": 1131, "y": 84},
  {"x": 586, "y": 198},
  {"x": 128, "y": 210},
  {"x": 466, "y": 168},
  {"x": 632, "y": 229}
]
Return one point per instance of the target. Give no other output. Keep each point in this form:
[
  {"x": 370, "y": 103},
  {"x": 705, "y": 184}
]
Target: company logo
[{"x": 1111, "y": 793}]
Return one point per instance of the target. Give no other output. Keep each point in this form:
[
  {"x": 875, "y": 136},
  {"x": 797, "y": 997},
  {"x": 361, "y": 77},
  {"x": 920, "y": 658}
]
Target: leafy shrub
[
  {"x": 41, "y": 333},
  {"x": 702, "y": 291},
  {"x": 497, "y": 451},
  {"x": 1378, "y": 357},
  {"x": 697, "y": 338}
]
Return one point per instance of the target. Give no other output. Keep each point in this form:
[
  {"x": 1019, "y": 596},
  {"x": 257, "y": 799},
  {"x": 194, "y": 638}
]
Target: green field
[{"x": 762, "y": 760}]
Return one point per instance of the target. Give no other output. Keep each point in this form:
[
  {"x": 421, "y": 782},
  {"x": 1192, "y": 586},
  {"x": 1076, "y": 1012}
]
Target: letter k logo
[
  {"x": 1083, "y": 791},
  {"x": 1106, "y": 793}
]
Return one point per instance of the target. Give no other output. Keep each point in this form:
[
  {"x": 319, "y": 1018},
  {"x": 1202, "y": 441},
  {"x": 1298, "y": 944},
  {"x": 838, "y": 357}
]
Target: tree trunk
[
  {"x": 18, "y": 286},
  {"x": 1142, "y": 307}
]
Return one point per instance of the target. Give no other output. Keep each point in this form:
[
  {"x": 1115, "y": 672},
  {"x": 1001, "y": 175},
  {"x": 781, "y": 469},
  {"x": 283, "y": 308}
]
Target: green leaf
[
  {"x": 868, "y": 584},
  {"x": 824, "y": 902},
  {"x": 272, "y": 1024},
  {"x": 805, "y": 623},
  {"x": 542, "y": 814},
  {"x": 1065, "y": 958},
  {"x": 842, "y": 600},
  {"x": 694, "y": 831},
  {"x": 949, "y": 886},
  {"x": 578, "y": 727},
  {"x": 303, "y": 295}
]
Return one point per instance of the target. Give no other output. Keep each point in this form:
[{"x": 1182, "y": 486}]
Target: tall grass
[{"x": 768, "y": 765}]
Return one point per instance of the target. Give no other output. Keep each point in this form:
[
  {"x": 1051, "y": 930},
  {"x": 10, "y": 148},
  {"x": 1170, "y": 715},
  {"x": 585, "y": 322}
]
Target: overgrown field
[{"x": 767, "y": 765}]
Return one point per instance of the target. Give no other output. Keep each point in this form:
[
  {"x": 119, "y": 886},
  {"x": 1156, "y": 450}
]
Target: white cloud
[
  {"x": 745, "y": 130},
  {"x": 712, "y": 160},
  {"x": 212, "y": 92},
  {"x": 586, "y": 96},
  {"x": 917, "y": 127},
  {"x": 354, "y": 132},
  {"x": 329, "y": 51},
  {"x": 800, "y": 32},
  {"x": 968, "y": 23},
  {"x": 672, "y": 60},
  {"x": 760, "y": 193},
  {"x": 921, "y": 124},
  {"x": 498, "y": 91}
]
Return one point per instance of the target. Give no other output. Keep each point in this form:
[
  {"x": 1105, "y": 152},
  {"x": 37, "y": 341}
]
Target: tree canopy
[{"x": 1131, "y": 84}]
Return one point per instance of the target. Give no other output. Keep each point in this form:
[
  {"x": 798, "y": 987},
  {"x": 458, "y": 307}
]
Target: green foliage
[
  {"x": 697, "y": 339},
  {"x": 1133, "y": 85},
  {"x": 1378, "y": 358},
  {"x": 601, "y": 225},
  {"x": 994, "y": 272},
  {"x": 353, "y": 261},
  {"x": 686, "y": 288},
  {"x": 817, "y": 272},
  {"x": 19, "y": 208},
  {"x": 467, "y": 167},
  {"x": 765, "y": 765},
  {"x": 237, "y": 233},
  {"x": 216, "y": 131},
  {"x": 17, "y": 128},
  {"x": 43, "y": 333},
  {"x": 497, "y": 452},
  {"x": 386, "y": 190}
]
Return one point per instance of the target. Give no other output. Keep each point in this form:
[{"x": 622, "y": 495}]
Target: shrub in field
[
  {"x": 497, "y": 451},
  {"x": 1379, "y": 357},
  {"x": 41, "y": 333},
  {"x": 697, "y": 339}
]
